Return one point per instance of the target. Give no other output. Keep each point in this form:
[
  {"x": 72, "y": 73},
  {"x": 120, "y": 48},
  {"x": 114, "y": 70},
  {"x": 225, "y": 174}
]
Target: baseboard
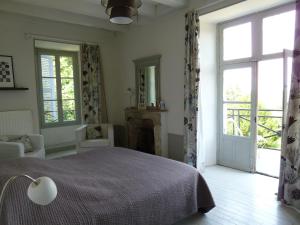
[{"x": 60, "y": 148}]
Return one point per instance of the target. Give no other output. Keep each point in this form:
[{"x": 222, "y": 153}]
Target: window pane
[
  {"x": 67, "y": 89},
  {"x": 269, "y": 126},
  {"x": 48, "y": 66},
  {"x": 270, "y": 72},
  {"x": 49, "y": 88},
  {"x": 278, "y": 32},
  {"x": 237, "y": 119},
  {"x": 66, "y": 66},
  {"x": 270, "y": 98},
  {"x": 69, "y": 110},
  {"x": 69, "y": 116},
  {"x": 50, "y": 111},
  {"x": 237, "y": 42},
  {"x": 68, "y": 104},
  {"x": 237, "y": 85}
]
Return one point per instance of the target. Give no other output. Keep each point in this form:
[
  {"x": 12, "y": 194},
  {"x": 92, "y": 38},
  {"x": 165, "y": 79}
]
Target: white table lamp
[{"x": 41, "y": 191}]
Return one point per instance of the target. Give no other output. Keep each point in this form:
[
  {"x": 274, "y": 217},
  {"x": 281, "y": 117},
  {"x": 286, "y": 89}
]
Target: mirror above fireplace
[{"x": 147, "y": 76}]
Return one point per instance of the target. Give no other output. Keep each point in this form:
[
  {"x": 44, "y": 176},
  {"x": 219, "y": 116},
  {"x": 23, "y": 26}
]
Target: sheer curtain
[
  {"x": 193, "y": 149},
  {"x": 289, "y": 183}
]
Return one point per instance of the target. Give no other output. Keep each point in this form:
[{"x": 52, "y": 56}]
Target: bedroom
[{"x": 29, "y": 26}]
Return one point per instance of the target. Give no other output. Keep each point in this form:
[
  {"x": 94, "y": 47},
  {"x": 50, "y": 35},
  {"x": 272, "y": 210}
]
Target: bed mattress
[{"x": 106, "y": 186}]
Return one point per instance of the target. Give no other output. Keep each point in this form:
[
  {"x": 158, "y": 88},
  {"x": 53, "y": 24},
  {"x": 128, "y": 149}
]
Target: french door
[
  {"x": 238, "y": 120},
  {"x": 253, "y": 88},
  {"x": 253, "y": 107}
]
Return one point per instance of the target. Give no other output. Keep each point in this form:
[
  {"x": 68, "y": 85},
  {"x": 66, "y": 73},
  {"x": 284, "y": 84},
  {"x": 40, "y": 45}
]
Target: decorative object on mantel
[
  {"x": 121, "y": 12},
  {"x": 6, "y": 72}
]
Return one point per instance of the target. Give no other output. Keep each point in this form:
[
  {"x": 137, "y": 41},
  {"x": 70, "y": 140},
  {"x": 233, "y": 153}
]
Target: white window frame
[
  {"x": 256, "y": 20},
  {"x": 76, "y": 78},
  {"x": 257, "y": 35}
]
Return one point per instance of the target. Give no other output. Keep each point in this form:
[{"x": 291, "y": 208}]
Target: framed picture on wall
[{"x": 6, "y": 72}]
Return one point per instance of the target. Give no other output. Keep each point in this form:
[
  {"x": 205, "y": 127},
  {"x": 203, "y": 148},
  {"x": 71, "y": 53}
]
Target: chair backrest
[{"x": 16, "y": 122}]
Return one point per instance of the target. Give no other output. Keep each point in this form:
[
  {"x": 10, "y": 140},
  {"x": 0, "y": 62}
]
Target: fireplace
[
  {"x": 147, "y": 131},
  {"x": 141, "y": 135}
]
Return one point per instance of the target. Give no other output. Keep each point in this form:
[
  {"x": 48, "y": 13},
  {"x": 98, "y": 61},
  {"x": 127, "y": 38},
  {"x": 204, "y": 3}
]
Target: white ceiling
[
  {"x": 91, "y": 13},
  {"x": 88, "y": 11},
  {"x": 242, "y": 9}
]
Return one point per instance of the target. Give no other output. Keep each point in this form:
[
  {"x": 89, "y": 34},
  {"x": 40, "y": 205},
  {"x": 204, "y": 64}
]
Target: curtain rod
[{"x": 56, "y": 39}]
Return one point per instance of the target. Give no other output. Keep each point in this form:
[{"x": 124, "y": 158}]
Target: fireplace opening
[
  {"x": 141, "y": 135},
  {"x": 145, "y": 139}
]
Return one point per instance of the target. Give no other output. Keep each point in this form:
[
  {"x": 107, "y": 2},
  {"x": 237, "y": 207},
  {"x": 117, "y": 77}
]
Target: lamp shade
[
  {"x": 121, "y": 15},
  {"x": 132, "y": 4},
  {"x": 43, "y": 191}
]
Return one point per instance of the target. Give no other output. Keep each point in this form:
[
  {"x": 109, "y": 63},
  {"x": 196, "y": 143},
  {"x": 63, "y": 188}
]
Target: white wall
[
  {"x": 166, "y": 37},
  {"x": 14, "y": 43},
  {"x": 163, "y": 38},
  {"x": 208, "y": 88}
]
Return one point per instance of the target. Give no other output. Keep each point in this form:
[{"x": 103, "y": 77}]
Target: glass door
[
  {"x": 238, "y": 136},
  {"x": 274, "y": 77}
]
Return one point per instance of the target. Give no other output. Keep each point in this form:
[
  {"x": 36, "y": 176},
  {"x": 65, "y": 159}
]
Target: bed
[{"x": 107, "y": 186}]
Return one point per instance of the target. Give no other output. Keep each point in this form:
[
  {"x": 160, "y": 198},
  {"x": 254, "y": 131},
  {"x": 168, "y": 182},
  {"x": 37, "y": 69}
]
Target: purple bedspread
[{"x": 107, "y": 186}]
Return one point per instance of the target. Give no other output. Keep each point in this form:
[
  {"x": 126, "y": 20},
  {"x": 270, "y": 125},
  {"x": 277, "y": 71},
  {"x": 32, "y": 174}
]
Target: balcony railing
[{"x": 238, "y": 115}]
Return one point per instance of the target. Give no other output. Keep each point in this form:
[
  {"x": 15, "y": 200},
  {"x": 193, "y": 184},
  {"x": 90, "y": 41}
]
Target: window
[
  {"x": 237, "y": 101},
  {"x": 234, "y": 48},
  {"x": 252, "y": 51},
  {"x": 59, "y": 87},
  {"x": 274, "y": 27}
]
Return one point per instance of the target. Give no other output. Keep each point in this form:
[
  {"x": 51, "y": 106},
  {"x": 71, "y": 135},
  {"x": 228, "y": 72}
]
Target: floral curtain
[
  {"x": 93, "y": 96},
  {"x": 289, "y": 184},
  {"x": 191, "y": 86}
]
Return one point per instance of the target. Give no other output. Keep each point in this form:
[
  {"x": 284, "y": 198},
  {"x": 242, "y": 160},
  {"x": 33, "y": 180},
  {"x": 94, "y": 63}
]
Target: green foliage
[
  {"x": 66, "y": 67},
  {"x": 238, "y": 121},
  {"x": 67, "y": 93},
  {"x": 67, "y": 86}
]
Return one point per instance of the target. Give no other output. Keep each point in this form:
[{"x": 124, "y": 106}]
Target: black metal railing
[{"x": 238, "y": 115}]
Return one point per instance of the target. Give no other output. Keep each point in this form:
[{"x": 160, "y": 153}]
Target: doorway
[
  {"x": 254, "y": 89},
  {"x": 272, "y": 100},
  {"x": 255, "y": 99}
]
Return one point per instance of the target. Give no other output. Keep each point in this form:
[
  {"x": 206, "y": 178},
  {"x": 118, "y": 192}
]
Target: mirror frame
[{"x": 143, "y": 63}]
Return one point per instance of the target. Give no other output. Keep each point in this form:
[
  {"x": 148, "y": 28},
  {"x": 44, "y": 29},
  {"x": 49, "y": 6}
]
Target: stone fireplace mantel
[{"x": 159, "y": 119}]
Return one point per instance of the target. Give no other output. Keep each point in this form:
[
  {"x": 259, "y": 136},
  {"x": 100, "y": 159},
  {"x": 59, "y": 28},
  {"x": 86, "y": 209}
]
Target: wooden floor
[{"x": 243, "y": 199}]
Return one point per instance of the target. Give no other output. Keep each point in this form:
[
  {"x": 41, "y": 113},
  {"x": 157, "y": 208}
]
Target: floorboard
[{"x": 243, "y": 199}]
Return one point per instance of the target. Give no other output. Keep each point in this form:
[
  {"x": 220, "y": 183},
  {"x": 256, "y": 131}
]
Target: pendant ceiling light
[{"x": 121, "y": 11}]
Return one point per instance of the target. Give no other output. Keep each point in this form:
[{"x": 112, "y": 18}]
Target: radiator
[{"x": 16, "y": 122}]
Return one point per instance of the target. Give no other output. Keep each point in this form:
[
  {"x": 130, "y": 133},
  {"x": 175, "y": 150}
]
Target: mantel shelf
[{"x": 14, "y": 89}]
